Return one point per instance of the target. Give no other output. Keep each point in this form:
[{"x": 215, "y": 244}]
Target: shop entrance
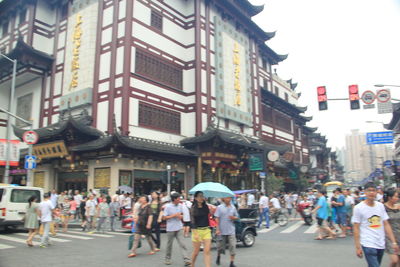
[{"x": 72, "y": 181}]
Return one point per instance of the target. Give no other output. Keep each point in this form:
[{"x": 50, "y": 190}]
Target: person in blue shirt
[
  {"x": 341, "y": 211},
  {"x": 322, "y": 215}
]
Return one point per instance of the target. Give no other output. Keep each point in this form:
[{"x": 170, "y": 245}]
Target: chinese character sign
[{"x": 14, "y": 153}]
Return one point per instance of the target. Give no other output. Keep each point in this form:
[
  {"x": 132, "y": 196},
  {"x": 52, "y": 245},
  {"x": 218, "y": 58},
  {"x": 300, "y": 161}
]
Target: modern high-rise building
[{"x": 362, "y": 159}]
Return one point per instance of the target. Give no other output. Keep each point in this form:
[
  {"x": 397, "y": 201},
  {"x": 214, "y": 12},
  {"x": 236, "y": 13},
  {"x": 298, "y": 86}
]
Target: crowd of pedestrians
[{"x": 182, "y": 217}]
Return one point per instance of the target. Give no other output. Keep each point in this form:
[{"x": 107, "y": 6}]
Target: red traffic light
[
  {"x": 321, "y": 90},
  {"x": 353, "y": 89}
]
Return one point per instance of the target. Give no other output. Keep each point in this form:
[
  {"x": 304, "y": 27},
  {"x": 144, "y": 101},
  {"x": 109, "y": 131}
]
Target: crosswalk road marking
[
  {"x": 293, "y": 227},
  {"x": 109, "y": 233},
  {"x": 312, "y": 229},
  {"x": 55, "y": 239},
  {"x": 74, "y": 236},
  {"x": 13, "y": 239},
  {"x": 270, "y": 229},
  {"x": 2, "y": 246},
  {"x": 87, "y": 234}
]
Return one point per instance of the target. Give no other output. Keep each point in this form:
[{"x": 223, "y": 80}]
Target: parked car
[{"x": 13, "y": 201}]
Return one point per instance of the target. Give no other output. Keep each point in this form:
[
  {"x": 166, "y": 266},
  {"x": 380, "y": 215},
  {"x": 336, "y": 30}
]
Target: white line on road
[
  {"x": 13, "y": 239},
  {"x": 87, "y": 234},
  {"x": 263, "y": 231},
  {"x": 2, "y": 246},
  {"x": 293, "y": 227},
  {"x": 109, "y": 233},
  {"x": 312, "y": 229},
  {"x": 55, "y": 239},
  {"x": 74, "y": 236}
]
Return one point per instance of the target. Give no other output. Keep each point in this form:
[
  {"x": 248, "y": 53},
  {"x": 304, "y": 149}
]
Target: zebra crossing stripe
[
  {"x": 87, "y": 234},
  {"x": 74, "y": 236},
  {"x": 108, "y": 233},
  {"x": 268, "y": 230},
  {"x": 293, "y": 227},
  {"x": 312, "y": 229},
  {"x": 2, "y": 246},
  {"x": 55, "y": 239},
  {"x": 13, "y": 239}
]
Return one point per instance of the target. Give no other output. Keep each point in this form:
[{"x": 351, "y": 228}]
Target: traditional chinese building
[{"x": 119, "y": 89}]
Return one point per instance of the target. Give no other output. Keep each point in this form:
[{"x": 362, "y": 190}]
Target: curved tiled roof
[
  {"x": 135, "y": 143},
  {"x": 234, "y": 138},
  {"x": 82, "y": 124}
]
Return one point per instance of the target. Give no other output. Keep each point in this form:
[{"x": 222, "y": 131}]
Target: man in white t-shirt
[
  {"x": 250, "y": 200},
  {"x": 45, "y": 211},
  {"x": 370, "y": 224},
  {"x": 263, "y": 205}
]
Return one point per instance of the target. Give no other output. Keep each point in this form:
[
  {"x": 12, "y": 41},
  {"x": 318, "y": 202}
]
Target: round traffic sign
[
  {"x": 383, "y": 96},
  {"x": 273, "y": 155},
  {"x": 30, "y": 137},
  {"x": 368, "y": 97}
]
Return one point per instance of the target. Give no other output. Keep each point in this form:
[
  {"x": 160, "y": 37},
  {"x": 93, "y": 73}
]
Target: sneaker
[
  {"x": 91, "y": 232},
  {"x": 188, "y": 263},
  {"x": 42, "y": 246},
  {"x": 167, "y": 262},
  {"x": 218, "y": 261}
]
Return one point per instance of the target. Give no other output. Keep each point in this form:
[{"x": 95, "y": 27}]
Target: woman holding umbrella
[{"x": 201, "y": 232}]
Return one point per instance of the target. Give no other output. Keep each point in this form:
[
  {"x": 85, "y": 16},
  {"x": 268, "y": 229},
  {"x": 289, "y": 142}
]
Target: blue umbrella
[{"x": 211, "y": 189}]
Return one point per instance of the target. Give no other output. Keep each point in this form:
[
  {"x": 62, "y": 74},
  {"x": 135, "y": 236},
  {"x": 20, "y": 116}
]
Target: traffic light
[
  {"x": 322, "y": 98},
  {"x": 174, "y": 176},
  {"x": 354, "y": 97}
]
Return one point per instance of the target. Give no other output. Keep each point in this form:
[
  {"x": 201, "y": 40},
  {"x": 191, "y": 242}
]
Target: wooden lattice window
[
  {"x": 283, "y": 122},
  {"x": 158, "y": 69},
  {"x": 159, "y": 118},
  {"x": 156, "y": 20},
  {"x": 286, "y": 97},
  {"x": 276, "y": 90},
  {"x": 267, "y": 114}
]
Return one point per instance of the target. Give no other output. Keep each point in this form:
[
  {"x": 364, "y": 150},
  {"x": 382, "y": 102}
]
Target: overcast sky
[{"x": 336, "y": 43}]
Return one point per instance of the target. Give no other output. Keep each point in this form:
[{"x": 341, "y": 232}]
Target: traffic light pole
[{"x": 169, "y": 180}]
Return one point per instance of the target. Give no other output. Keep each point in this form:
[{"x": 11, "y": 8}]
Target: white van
[{"x": 13, "y": 202}]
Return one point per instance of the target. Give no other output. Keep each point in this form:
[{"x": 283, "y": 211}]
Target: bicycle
[{"x": 279, "y": 217}]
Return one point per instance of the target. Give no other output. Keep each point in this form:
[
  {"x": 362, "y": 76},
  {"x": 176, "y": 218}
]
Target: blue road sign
[
  {"x": 30, "y": 162},
  {"x": 387, "y": 163},
  {"x": 380, "y": 138}
]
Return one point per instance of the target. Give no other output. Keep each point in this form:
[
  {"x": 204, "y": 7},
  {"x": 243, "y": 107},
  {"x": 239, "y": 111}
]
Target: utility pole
[
  {"x": 10, "y": 108},
  {"x": 169, "y": 180}
]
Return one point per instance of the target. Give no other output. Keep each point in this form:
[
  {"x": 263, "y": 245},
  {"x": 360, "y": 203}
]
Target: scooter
[{"x": 305, "y": 210}]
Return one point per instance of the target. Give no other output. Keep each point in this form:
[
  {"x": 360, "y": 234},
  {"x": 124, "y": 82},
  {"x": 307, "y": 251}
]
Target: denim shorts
[{"x": 341, "y": 218}]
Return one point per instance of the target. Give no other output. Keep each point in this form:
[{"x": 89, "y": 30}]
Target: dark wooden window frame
[
  {"x": 156, "y": 20},
  {"x": 157, "y": 118},
  {"x": 268, "y": 114},
  {"x": 158, "y": 69},
  {"x": 283, "y": 123},
  {"x": 276, "y": 90}
]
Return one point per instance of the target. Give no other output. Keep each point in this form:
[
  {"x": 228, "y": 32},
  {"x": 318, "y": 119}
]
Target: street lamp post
[{"x": 10, "y": 108}]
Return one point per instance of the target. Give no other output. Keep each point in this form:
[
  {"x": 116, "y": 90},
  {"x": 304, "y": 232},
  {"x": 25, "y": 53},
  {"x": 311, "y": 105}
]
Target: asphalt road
[{"x": 291, "y": 245}]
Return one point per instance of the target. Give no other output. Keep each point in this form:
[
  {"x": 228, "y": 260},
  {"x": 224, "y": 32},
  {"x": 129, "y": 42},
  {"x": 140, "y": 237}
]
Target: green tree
[
  {"x": 301, "y": 183},
  {"x": 273, "y": 184}
]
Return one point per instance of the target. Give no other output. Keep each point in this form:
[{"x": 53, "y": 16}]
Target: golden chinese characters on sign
[
  {"x": 236, "y": 63},
  {"x": 75, "y": 51},
  {"x": 102, "y": 177}
]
